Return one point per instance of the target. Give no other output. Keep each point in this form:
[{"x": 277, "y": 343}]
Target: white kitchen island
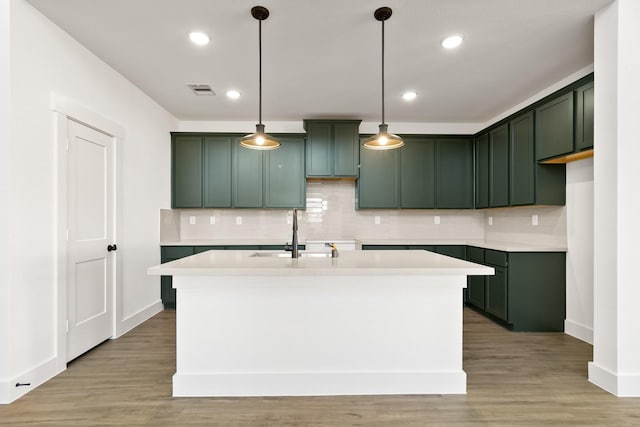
[{"x": 367, "y": 322}]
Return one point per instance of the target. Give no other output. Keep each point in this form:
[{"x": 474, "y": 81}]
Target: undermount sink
[{"x": 302, "y": 254}]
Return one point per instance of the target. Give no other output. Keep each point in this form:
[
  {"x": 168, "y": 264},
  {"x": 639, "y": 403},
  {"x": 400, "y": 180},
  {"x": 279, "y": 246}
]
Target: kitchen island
[{"x": 251, "y": 323}]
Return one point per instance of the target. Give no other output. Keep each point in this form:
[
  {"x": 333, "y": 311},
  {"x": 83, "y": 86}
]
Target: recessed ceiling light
[
  {"x": 233, "y": 94},
  {"x": 452, "y": 42},
  {"x": 199, "y": 38},
  {"x": 409, "y": 95}
]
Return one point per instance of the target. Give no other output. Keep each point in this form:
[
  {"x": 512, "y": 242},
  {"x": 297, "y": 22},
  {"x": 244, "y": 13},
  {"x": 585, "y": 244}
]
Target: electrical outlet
[
  {"x": 192, "y": 219},
  {"x": 490, "y": 220},
  {"x": 212, "y": 220},
  {"x": 238, "y": 220},
  {"x": 534, "y": 219},
  {"x": 436, "y": 219},
  {"x": 376, "y": 219}
]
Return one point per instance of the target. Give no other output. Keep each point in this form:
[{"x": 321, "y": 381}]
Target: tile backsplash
[{"x": 331, "y": 214}]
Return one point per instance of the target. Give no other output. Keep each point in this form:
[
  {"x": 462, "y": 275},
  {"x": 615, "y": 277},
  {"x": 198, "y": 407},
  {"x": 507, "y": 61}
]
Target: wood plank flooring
[{"x": 514, "y": 379}]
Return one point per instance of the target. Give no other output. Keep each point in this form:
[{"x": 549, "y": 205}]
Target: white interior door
[{"x": 90, "y": 211}]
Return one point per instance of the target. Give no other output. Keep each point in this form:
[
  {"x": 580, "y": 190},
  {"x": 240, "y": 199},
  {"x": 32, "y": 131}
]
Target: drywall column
[
  {"x": 616, "y": 356},
  {"x": 5, "y": 164}
]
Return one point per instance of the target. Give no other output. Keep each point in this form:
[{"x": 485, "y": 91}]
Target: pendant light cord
[
  {"x": 383, "y": 72},
  {"x": 260, "y": 71}
]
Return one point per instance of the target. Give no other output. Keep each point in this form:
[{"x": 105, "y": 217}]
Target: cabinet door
[
  {"x": 496, "y": 293},
  {"x": 247, "y": 177},
  {"x": 217, "y": 171},
  {"x": 319, "y": 149},
  {"x": 554, "y": 127},
  {"x": 379, "y": 182},
  {"x": 522, "y": 160},
  {"x": 284, "y": 175},
  {"x": 455, "y": 251},
  {"x": 499, "y": 166},
  {"x": 417, "y": 163},
  {"x": 186, "y": 158},
  {"x": 482, "y": 171},
  {"x": 454, "y": 173},
  {"x": 346, "y": 148},
  {"x": 584, "y": 117}
]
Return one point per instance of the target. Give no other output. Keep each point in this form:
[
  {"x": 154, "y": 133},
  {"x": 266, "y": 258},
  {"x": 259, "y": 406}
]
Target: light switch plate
[
  {"x": 534, "y": 219},
  {"x": 212, "y": 220},
  {"x": 436, "y": 219},
  {"x": 192, "y": 219},
  {"x": 376, "y": 219},
  {"x": 490, "y": 220},
  {"x": 238, "y": 220}
]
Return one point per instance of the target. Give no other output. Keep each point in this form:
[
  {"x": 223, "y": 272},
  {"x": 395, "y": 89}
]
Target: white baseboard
[
  {"x": 10, "y": 391},
  {"x": 319, "y": 384},
  {"x": 579, "y": 331},
  {"x": 128, "y": 323},
  {"x": 618, "y": 385}
]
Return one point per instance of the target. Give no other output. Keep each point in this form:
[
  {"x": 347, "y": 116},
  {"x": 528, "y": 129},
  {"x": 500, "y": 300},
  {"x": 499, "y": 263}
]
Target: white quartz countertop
[
  {"x": 486, "y": 244},
  {"x": 360, "y": 263}
]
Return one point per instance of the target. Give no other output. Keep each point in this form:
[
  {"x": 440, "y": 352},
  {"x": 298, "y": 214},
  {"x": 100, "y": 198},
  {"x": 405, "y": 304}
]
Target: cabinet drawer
[
  {"x": 175, "y": 252},
  {"x": 475, "y": 254},
  {"x": 497, "y": 258}
]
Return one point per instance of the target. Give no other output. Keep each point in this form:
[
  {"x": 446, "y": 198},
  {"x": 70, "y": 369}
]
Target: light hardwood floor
[{"x": 514, "y": 379}]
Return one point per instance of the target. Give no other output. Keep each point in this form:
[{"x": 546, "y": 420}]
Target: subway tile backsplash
[{"x": 331, "y": 214}]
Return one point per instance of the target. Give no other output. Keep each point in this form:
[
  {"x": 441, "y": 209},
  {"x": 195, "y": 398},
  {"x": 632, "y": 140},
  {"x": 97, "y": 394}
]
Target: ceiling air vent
[{"x": 201, "y": 90}]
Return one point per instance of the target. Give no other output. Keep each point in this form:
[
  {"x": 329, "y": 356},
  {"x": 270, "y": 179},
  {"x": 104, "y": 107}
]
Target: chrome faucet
[{"x": 294, "y": 239}]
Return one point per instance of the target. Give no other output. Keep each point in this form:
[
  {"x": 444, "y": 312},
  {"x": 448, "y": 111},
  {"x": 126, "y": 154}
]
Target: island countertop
[{"x": 378, "y": 262}]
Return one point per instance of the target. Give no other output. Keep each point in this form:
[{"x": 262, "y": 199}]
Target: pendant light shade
[
  {"x": 383, "y": 140},
  {"x": 260, "y": 140}
]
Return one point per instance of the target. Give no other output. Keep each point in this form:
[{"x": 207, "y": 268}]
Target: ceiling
[{"x": 321, "y": 59}]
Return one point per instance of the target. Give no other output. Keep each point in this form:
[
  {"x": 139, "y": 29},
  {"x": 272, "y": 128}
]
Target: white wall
[
  {"x": 616, "y": 336},
  {"x": 579, "y": 320},
  {"x": 5, "y": 199},
  {"x": 44, "y": 60}
]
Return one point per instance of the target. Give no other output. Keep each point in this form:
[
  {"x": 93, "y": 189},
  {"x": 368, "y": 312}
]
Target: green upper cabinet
[
  {"x": 554, "y": 127},
  {"x": 186, "y": 172},
  {"x": 499, "y": 166},
  {"x": 284, "y": 174},
  {"x": 454, "y": 173},
  {"x": 379, "y": 182},
  {"x": 214, "y": 171},
  {"x": 482, "y": 171},
  {"x": 247, "y": 177},
  {"x": 523, "y": 163},
  {"x": 332, "y": 148},
  {"x": 584, "y": 117},
  {"x": 417, "y": 162},
  {"x": 217, "y": 171}
]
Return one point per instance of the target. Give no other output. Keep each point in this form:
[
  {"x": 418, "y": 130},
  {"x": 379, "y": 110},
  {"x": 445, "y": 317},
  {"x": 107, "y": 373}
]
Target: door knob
[{"x": 112, "y": 248}]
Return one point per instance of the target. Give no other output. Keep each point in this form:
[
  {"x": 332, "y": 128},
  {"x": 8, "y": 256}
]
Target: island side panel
[{"x": 300, "y": 336}]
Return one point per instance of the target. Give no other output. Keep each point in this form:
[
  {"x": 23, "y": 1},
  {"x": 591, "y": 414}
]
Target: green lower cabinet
[
  {"x": 454, "y": 251},
  {"x": 527, "y": 292},
  {"x": 167, "y": 254},
  {"x": 476, "y": 284},
  {"x": 496, "y": 294}
]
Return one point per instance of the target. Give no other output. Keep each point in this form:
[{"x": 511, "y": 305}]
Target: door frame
[{"x": 66, "y": 109}]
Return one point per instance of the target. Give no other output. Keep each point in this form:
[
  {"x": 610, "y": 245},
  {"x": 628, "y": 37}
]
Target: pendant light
[
  {"x": 383, "y": 140},
  {"x": 260, "y": 140}
]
